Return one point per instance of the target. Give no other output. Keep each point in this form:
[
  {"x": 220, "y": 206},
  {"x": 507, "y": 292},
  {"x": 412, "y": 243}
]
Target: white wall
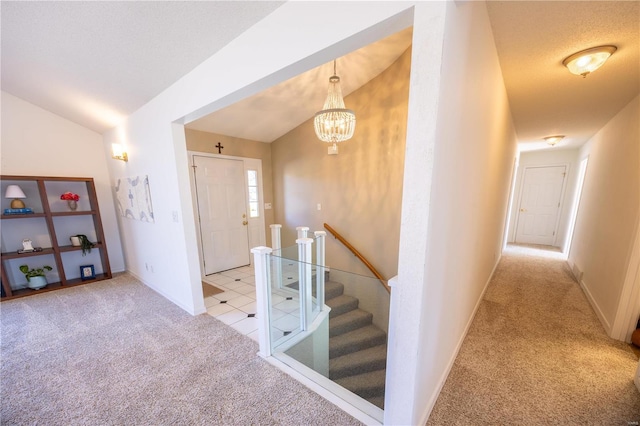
[
  {"x": 475, "y": 147},
  {"x": 549, "y": 157},
  {"x": 609, "y": 213},
  {"x": 38, "y": 143}
]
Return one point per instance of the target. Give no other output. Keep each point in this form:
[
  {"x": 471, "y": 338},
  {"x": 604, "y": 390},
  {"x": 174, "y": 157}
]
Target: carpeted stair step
[
  {"x": 357, "y": 340},
  {"x": 360, "y": 362},
  {"x": 349, "y": 321},
  {"x": 367, "y": 385},
  {"x": 341, "y": 304},
  {"x": 331, "y": 289}
]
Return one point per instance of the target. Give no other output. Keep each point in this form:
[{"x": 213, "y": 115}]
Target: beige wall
[
  {"x": 237, "y": 147},
  {"x": 360, "y": 189},
  {"x": 609, "y": 211}
]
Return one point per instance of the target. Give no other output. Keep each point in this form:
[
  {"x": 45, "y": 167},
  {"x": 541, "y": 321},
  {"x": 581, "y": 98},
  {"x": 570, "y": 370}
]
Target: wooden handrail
[{"x": 359, "y": 256}]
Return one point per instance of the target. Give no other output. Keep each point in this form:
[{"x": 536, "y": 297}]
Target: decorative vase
[
  {"x": 73, "y": 205},
  {"x": 75, "y": 241},
  {"x": 36, "y": 283}
]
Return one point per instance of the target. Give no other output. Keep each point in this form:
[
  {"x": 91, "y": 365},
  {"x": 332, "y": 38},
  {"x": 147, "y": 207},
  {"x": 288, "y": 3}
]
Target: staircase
[{"x": 357, "y": 348}]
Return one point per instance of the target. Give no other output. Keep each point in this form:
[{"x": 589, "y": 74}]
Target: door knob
[
  {"x": 244, "y": 222},
  {"x": 523, "y": 210}
]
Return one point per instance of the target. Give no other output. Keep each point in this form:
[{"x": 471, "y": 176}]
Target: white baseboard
[
  {"x": 197, "y": 311},
  {"x": 443, "y": 378},
  {"x": 596, "y": 308}
]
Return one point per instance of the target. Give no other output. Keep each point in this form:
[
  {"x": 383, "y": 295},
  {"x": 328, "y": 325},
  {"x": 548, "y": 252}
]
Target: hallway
[{"x": 537, "y": 354}]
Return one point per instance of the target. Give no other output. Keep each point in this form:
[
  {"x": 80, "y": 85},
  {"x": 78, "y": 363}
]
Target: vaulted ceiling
[{"x": 97, "y": 62}]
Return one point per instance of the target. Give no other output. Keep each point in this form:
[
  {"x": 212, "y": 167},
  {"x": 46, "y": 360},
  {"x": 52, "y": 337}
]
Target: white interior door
[
  {"x": 540, "y": 204},
  {"x": 220, "y": 187}
]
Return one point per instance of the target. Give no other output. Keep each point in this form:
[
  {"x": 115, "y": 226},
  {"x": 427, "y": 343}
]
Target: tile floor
[{"x": 236, "y": 305}]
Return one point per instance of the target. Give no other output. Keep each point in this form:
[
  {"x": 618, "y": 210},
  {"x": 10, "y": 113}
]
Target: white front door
[
  {"x": 540, "y": 204},
  {"x": 220, "y": 187}
]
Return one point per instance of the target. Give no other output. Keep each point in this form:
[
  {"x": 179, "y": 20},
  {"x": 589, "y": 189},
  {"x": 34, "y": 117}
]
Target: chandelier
[{"x": 335, "y": 123}]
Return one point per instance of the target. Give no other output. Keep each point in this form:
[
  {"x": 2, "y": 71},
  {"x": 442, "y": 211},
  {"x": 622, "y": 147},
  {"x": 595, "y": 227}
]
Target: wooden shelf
[
  {"x": 22, "y": 216},
  {"x": 79, "y": 281},
  {"x": 64, "y": 249},
  {"x": 40, "y": 200},
  {"x": 76, "y": 213},
  {"x": 16, "y": 255},
  {"x": 29, "y": 292}
]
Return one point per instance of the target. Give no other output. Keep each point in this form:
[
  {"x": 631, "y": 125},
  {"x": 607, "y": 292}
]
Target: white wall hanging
[{"x": 134, "y": 198}]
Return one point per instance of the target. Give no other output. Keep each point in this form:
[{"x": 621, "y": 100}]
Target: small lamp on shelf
[{"x": 15, "y": 192}]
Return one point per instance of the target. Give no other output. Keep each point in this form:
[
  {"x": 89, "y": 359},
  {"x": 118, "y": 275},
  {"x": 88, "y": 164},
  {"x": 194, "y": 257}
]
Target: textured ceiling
[
  {"x": 272, "y": 113},
  {"x": 533, "y": 38},
  {"x": 96, "y": 62}
]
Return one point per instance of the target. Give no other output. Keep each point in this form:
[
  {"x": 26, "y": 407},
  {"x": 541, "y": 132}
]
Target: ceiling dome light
[
  {"x": 587, "y": 61},
  {"x": 552, "y": 140}
]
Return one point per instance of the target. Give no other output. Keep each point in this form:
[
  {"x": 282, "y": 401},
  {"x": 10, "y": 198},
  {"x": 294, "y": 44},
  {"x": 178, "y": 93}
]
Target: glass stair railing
[{"x": 320, "y": 322}]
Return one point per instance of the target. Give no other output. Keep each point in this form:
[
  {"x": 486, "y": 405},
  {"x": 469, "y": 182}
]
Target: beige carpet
[
  {"x": 116, "y": 353},
  {"x": 536, "y": 354}
]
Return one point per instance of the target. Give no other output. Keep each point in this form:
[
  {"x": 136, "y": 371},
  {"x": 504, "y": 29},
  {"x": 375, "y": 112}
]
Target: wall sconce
[
  {"x": 15, "y": 192},
  {"x": 117, "y": 152}
]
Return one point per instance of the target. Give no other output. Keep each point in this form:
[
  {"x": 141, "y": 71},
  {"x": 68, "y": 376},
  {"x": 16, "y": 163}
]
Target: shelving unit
[{"x": 50, "y": 227}]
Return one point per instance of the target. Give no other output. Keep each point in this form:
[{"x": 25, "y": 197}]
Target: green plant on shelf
[
  {"x": 85, "y": 244},
  {"x": 34, "y": 272}
]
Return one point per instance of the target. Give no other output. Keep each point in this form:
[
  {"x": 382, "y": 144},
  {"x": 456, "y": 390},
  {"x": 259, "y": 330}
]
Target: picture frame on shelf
[
  {"x": 87, "y": 272},
  {"x": 26, "y": 245}
]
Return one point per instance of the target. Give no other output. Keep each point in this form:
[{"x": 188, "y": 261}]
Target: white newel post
[
  {"x": 276, "y": 245},
  {"x": 304, "y": 283},
  {"x": 261, "y": 256},
  {"x": 276, "y": 242},
  {"x": 302, "y": 231},
  {"x": 320, "y": 260}
]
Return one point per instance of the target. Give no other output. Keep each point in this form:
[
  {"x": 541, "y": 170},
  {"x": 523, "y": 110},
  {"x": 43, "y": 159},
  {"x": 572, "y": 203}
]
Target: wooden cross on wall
[{"x": 219, "y": 146}]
